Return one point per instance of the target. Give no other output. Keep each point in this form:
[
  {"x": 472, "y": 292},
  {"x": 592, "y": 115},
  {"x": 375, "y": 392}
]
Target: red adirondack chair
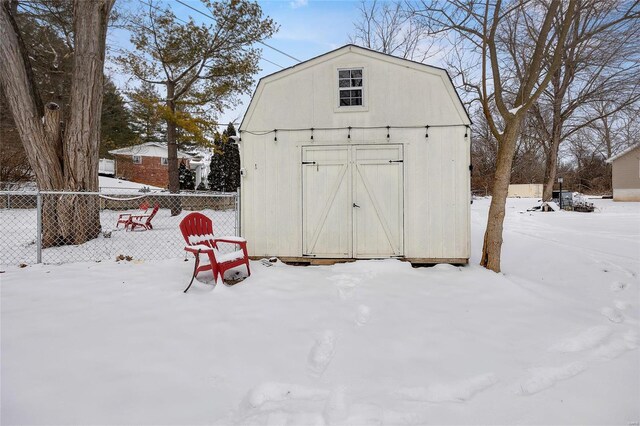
[
  {"x": 123, "y": 218},
  {"x": 197, "y": 230},
  {"x": 141, "y": 220}
]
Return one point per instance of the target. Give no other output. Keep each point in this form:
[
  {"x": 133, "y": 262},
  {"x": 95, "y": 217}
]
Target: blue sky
[{"x": 307, "y": 29}]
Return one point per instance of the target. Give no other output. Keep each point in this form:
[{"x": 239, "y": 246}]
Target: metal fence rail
[{"x": 27, "y": 219}]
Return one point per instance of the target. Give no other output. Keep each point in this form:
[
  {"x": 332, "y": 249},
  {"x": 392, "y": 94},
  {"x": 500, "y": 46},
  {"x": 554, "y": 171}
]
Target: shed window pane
[{"x": 347, "y": 80}]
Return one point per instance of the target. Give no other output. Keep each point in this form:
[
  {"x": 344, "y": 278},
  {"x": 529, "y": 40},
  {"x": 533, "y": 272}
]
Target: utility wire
[
  {"x": 261, "y": 42},
  {"x": 211, "y": 17}
]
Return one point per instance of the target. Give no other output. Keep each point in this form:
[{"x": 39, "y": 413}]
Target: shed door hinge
[
  {"x": 308, "y": 162},
  {"x": 396, "y": 161}
]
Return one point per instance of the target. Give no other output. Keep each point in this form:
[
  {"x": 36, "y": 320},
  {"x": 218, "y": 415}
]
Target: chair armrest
[
  {"x": 123, "y": 215},
  {"x": 233, "y": 240}
]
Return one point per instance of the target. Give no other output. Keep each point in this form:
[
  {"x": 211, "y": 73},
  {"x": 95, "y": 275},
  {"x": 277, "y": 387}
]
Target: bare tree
[
  {"x": 390, "y": 28},
  {"x": 611, "y": 132},
  {"x": 60, "y": 160},
  {"x": 601, "y": 61},
  {"x": 542, "y": 27}
]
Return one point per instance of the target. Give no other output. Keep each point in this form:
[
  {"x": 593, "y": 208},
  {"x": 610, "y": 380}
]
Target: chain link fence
[{"x": 64, "y": 227}]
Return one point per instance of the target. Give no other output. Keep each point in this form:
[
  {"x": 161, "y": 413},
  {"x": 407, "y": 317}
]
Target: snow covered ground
[
  {"x": 18, "y": 228},
  {"x": 551, "y": 340},
  {"x": 113, "y": 185}
]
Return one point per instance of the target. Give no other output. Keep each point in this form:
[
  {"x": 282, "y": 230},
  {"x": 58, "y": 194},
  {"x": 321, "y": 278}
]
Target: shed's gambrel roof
[{"x": 352, "y": 47}]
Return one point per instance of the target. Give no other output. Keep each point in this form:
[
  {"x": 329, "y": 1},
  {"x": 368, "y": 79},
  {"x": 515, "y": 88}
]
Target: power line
[
  {"x": 261, "y": 42},
  {"x": 211, "y": 17}
]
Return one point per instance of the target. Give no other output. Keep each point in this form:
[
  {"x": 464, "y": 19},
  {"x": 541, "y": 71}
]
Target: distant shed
[
  {"x": 525, "y": 190},
  {"x": 356, "y": 154},
  {"x": 625, "y": 174}
]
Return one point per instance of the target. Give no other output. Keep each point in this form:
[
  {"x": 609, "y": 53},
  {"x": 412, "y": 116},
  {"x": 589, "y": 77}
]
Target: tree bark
[
  {"x": 172, "y": 150},
  {"x": 551, "y": 164},
  {"x": 68, "y": 162},
  {"x": 18, "y": 85},
  {"x": 492, "y": 247}
]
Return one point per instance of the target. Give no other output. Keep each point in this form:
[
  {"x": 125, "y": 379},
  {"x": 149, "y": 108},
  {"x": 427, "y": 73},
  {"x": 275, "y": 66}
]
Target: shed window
[
  {"x": 350, "y": 87},
  {"x": 137, "y": 159},
  {"x": 164, "y": 161}
]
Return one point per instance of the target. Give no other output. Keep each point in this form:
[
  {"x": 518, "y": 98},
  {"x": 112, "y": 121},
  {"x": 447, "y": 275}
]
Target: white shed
[{"x": 356, "y": 154}]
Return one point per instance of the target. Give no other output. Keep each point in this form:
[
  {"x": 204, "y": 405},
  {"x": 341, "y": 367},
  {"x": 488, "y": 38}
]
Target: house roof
[
  {"x": 149, "y": 149},
  {"x": 623, "y": 153},
  {"x": 353, "y": 47}
]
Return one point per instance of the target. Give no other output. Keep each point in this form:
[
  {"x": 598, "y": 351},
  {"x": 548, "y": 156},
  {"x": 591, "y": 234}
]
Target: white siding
[{"x": 398, "y": 93}]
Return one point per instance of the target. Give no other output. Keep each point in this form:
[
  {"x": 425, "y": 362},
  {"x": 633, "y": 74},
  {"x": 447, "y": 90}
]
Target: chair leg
[{"x": 195, "y": 269}]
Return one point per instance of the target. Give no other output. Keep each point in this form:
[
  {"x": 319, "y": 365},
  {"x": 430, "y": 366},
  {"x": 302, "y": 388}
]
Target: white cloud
[{"x": 298, "y": 3}]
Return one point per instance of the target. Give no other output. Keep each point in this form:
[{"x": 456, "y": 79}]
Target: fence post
[
  {"x": 39, "y": 228},
  {"x": 238, "y": 212}
]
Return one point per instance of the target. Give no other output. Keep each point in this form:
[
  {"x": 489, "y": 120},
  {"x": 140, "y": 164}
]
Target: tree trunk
[
  {"x": 492, "y": 247},
  {"x": 172, "y": 151},
  {"x": 551, "y": 165},
  {"x": 18, "y": 86},
  {"x": 68, "y": 162},
  {"x": 79, "y": 215}
]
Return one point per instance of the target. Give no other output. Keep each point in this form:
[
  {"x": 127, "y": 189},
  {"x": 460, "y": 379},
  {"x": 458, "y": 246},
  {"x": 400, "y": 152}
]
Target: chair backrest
[
  {"x": 196, "y": 228},
  {"x": 153, "y": 213}
]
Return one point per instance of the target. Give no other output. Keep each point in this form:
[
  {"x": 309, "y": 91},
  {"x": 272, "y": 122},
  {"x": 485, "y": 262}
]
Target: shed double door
[{"x": 352, "y": 201}]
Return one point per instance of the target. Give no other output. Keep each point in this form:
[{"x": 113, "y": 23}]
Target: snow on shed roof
[
  {"x": 149, "y": 149},
  {"x": 623, "y": 153}
]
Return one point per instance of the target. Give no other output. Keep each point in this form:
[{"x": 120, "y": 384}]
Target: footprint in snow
[
  {"x": 612, "y": 314},
  {"x": 362, "y": 315},
  {"x": 542, "y": 378},
  {"x": 618, "y": 286},
  {"x": 277, "y": 393},
  {"x": 587, "y": 339},
  {"x": 451, "y": 392},
  {"x": 345, "y": 284},
  {"x": 321, "y": 353},
  {"x": 617, "y": 346}
]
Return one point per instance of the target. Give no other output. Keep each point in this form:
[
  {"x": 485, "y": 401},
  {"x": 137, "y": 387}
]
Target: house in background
[
  {"x": 356, "y": 154},
  {"x": 146, "y": 163},
  {"x": 625, "y": 174}
]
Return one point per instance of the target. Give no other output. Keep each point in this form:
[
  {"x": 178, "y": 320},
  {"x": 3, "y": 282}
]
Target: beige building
[
  {"x": 626, "y": 174},
  {"x": 525, "y": 190}
]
